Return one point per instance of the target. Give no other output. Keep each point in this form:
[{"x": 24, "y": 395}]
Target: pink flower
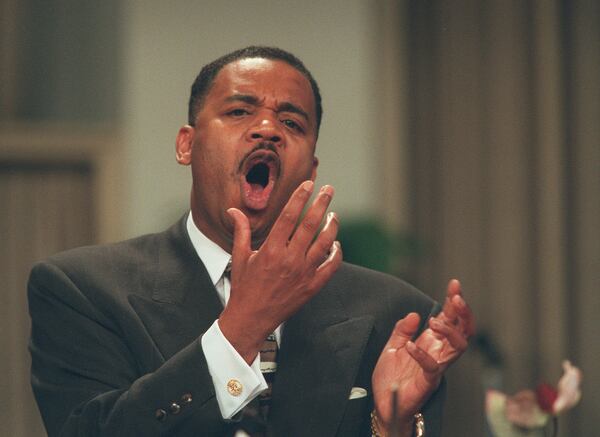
[
  {"x": 523, "y": 410},
  {"x": 499, "y": 418},
  {"x": 569, "y": 392},
  {"x": 527, "y": 412}
]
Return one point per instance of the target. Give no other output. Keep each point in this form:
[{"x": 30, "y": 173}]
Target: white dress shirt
[{"x": 225, "y": 364}]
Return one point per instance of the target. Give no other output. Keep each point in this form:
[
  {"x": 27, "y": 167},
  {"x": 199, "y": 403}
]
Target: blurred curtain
[
  {"x": 59, "y": 60},
  {"x": 504, "y": 120},
  {"x": 45, "y": 209}
]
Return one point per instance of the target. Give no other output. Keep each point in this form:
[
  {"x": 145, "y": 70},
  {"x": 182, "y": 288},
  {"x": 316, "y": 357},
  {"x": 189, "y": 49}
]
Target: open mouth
[{"x": 259, "y": 173}]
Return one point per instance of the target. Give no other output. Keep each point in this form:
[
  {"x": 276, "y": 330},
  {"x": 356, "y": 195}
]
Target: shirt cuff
[{"x": 236, "y": 383}]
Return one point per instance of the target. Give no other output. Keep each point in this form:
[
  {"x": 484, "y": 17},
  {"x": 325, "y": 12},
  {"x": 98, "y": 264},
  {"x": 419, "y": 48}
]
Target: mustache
[{"x": 264, "y": 145}]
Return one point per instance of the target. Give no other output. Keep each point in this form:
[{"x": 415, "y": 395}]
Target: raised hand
[
  {"x": 415, "y": 368},
  {"x": 270, "y": 284}
]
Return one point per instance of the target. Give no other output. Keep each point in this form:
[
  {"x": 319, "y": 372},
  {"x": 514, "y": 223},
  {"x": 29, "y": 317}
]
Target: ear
[
  {"x": 183, "y": 145},
  {"x": 313, "y": 175}
]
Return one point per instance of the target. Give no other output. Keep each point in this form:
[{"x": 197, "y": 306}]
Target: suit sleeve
[{"x": 88, "y": 382}]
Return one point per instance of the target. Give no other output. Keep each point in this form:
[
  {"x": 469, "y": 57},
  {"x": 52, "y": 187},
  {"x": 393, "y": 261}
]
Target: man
[{"x": 161, "y": 335}]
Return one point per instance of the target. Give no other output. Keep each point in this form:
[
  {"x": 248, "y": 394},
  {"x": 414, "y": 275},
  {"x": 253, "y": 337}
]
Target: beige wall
[{"x": 166, "y": 43}]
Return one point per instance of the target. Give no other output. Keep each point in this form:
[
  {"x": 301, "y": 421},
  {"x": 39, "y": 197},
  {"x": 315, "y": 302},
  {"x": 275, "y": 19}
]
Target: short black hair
[{"x": 206, "y": 77}]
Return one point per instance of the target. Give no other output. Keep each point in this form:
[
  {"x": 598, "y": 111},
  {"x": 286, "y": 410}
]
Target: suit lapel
[
  {"x": 319, "y": 359},
  {"x": 184, "y": 302}
]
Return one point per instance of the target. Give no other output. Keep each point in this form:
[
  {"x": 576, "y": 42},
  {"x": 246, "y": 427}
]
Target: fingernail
[
  {"x": 308, "y": 186},
  {"x": 327, "y": 189},
  {"x": 332, "y": 216}
]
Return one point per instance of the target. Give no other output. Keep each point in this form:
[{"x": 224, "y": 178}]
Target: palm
[
  {"x": 397, "y": 369},
  {"x": 414, "y": 369}
]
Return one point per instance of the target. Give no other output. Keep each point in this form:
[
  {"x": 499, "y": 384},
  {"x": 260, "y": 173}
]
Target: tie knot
[{"x": 227, "y": 271}]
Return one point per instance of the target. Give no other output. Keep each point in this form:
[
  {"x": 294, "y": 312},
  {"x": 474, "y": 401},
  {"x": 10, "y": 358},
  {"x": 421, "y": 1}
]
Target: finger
[
  {"x": 454, "y": 336},
  {"x": 404, "y": 330},
  {"x": 426, "y": 361},
  {"x": 318, "y": 251},
  {"x": 448, "y": 313},
  {"x": 309, "y": 225},
  {"x": 285, "y": 223},
  {"x": 465, "y": 315},
  {"x": 453, "y": 289},
  {"x": 241, "y": 235},
  {"x": 326, "y": 270}
]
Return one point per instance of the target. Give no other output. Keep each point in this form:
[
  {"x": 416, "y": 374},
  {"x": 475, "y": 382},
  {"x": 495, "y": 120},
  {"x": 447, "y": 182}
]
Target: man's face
[{"x": 252, "y": 145}]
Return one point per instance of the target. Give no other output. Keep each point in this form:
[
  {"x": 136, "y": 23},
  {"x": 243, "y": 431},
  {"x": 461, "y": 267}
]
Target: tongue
[
  {"x": 255, "y": 195},
  {"x": 256, "y": 189}
]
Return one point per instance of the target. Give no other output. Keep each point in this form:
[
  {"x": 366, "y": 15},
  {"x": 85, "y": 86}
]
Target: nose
[{"x": 265, "y": 129}]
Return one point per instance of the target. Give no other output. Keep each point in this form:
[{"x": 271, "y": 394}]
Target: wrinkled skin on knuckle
[
  {"x": 324, "y": 245},
  {"x": 287, "y": 268},
  {"x": 288, "y": 218},
  {"x": 319, "y": 252},
  {"x": 310, "y": 225},
  {"x": 270, "y": 254}
]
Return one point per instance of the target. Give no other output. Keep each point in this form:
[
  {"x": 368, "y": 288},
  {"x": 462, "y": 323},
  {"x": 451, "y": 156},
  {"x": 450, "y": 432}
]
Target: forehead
[{"x": 266, "y": 79}]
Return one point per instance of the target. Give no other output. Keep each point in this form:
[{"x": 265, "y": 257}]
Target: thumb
[
  {"x": 404, "y": 331},
  {"x": 241, "y": 235}
]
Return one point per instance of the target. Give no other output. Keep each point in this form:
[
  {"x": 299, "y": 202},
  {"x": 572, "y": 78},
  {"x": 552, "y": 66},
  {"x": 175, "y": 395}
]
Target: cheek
[
  {"x": 217, "y": 154},
  {"x": 216, "y": 175},
  {"x": 302, "y": 167}
]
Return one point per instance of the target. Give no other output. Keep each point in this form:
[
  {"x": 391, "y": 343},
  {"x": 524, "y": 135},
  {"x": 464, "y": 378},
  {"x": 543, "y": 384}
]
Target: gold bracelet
[
  {"x": 374, "y": 425},
  {"x": 419, "y": 425}
]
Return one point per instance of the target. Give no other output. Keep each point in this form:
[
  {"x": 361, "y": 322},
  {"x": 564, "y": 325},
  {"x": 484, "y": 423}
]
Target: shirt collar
[{"x": 213, "y": 257}]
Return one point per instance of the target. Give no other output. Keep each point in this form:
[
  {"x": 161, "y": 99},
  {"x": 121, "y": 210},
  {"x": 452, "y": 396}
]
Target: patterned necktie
[{"x": 268, "y": 367}]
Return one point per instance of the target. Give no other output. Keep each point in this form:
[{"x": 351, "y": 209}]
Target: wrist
[{"x": 240, "y": 338}]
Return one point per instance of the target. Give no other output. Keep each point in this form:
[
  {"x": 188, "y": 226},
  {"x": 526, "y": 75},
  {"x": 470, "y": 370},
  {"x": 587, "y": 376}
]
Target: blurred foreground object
[{"x": 528, "y": 412}]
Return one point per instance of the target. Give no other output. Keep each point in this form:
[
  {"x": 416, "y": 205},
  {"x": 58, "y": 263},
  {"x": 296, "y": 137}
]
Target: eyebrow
[
  {"x": 253, "y": 100},
  {"x": 246, "y": 98}
]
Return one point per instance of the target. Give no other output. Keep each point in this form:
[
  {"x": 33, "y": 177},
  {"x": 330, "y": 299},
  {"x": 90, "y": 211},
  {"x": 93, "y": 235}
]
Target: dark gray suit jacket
[{"x": 115, "y": 337}]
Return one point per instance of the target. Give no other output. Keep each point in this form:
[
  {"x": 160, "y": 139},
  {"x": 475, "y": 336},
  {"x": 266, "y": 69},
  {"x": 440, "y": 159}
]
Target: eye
[
  {"x": 292, "y": 125},
  {"x": 238, "y": 112}
]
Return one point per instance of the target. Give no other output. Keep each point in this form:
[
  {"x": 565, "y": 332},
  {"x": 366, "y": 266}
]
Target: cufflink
[{"x": 234, "y": 387}]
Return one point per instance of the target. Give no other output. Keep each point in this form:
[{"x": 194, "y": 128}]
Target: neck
[{"x": 223, "y": 241}]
